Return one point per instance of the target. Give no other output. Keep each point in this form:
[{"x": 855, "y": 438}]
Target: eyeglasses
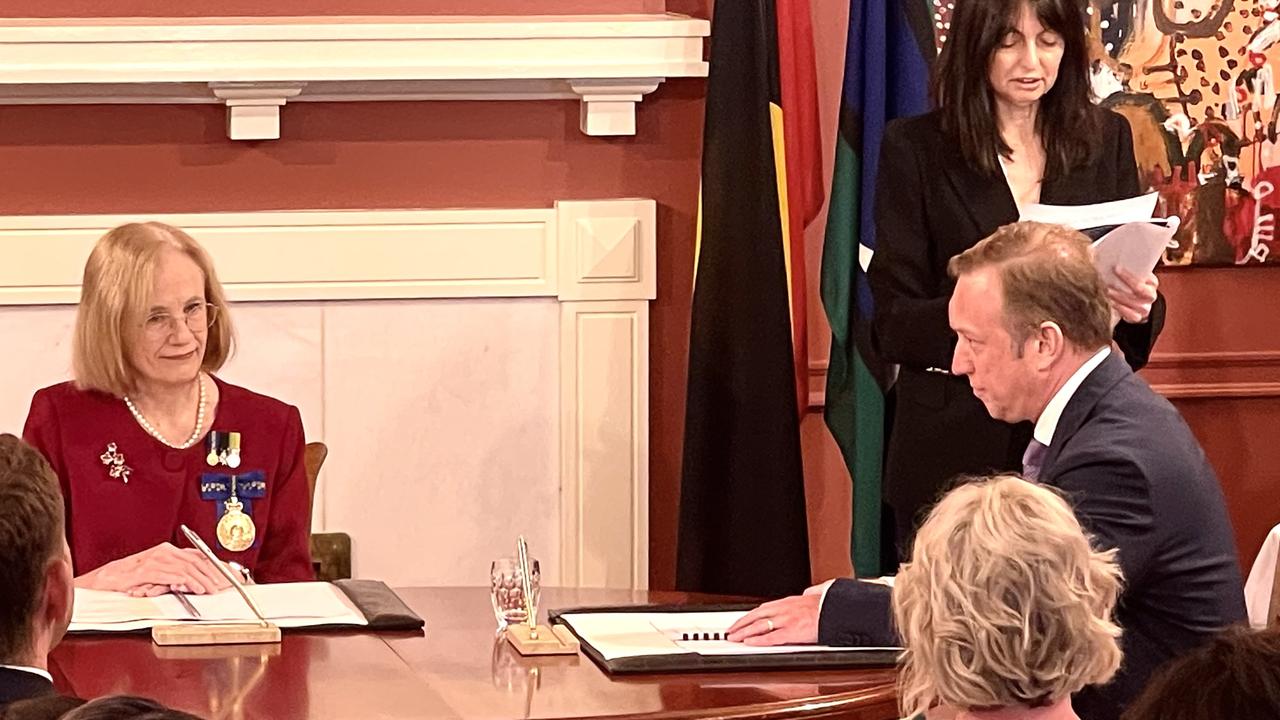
[{"x": 199, "y": 316}]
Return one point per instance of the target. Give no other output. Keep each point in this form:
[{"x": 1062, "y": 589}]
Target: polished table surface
[{"x": 455, "y": 669}]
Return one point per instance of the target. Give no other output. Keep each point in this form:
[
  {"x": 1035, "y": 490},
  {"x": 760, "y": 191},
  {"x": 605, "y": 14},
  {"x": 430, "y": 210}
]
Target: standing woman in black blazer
[{"x": 1015, "y": 124}]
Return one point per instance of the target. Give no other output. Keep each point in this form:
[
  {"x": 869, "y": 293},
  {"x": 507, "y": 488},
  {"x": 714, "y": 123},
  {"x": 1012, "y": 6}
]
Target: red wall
[{"x": 1219, "y": 362}]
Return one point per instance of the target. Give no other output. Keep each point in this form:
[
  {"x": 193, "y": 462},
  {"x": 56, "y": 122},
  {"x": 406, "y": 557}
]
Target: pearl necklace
[{"x": 195, "y": 433}]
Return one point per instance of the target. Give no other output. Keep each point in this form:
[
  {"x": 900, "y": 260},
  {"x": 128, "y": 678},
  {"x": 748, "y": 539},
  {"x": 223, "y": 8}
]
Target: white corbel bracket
[
  {"x": 253, "y": 108},
  {"x": 609, "y": 105}
]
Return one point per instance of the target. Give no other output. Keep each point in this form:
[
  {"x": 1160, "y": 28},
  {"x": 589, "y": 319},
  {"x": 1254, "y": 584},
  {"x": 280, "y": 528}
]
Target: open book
[
  {"x": 1124, "y": 232},
  {"x": 288, "y": 605}
]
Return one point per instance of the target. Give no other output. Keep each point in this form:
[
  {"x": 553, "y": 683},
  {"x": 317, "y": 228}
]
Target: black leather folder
[
  {"x": 694, "y": 662},
  {"x": 380, "y": 605}
]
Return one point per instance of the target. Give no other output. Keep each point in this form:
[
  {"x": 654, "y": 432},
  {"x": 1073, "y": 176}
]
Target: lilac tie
[{"x": 1033, "y": 459}]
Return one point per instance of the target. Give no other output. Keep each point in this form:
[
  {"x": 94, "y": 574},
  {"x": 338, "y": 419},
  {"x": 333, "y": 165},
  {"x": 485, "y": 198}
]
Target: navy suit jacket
[
  {"x": 27, "y": 696},
  {"x": 1139, "y": 482},
  {"x": 19, "y": 685}
]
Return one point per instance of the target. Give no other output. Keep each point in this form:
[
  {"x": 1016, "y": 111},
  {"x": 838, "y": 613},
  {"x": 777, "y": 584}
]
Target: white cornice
[{"x": 255, "y": 65}]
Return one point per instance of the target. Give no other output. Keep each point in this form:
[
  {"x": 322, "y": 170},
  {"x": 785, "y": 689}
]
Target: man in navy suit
[
  {"x": 1034, "y": 328},
  {"x": 36, "y": 586}
]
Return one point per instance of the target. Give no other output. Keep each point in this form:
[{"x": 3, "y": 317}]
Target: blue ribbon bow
[{"x": 217, "y": 486}]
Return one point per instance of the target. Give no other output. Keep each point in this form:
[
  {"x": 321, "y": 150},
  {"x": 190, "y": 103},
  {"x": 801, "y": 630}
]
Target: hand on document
[
  {"x": 1131, "y": 295},
  {"x": 789, "y": 621},
  {"x": 156, "y": 571}
]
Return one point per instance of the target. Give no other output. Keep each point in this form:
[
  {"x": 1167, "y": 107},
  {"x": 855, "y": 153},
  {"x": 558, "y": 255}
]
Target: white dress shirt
[
  {"x": 1047, "y": 423},
  {"x": 33, "y": 670}
]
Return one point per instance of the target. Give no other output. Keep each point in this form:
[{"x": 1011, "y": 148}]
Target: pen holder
[
  {"x": 197, "y": 633},
  {"x": 557, "y": 640}
]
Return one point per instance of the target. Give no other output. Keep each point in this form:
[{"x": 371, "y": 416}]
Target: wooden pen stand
[
  {"x": 557, "y": 640},
  {"x": 196, "y": 633}
]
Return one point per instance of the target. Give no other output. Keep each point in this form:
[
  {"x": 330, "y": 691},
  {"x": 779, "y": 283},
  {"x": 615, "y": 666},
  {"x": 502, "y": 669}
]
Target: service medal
[
  {"x": 236, "y": 529},
  {"x": 233, "y": 452},
  {"x": 212, "y": 457}
]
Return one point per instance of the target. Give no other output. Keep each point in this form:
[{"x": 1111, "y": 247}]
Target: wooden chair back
[{"x": 330, "y": 552}]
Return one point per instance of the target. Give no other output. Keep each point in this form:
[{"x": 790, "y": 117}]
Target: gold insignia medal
[{"x": 236, "y": 529}]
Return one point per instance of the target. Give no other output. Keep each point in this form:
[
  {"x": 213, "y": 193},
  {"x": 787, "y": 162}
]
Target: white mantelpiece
[{"x": 256, "y": 65}]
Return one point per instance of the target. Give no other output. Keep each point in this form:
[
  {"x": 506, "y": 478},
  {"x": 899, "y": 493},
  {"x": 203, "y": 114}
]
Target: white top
[
  {"x": 33, "y": 670},
  {"x": 1004, "y": 170},
  {"x": 1257, "y": 589},
  {"x": 1047, "y": 423}
]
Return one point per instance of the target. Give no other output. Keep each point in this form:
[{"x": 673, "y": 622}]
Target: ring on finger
[{"x": 769, "y": 623}]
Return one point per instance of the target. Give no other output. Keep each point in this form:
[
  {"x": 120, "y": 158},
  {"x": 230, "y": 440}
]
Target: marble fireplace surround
[{"x": 475, "y": 373}]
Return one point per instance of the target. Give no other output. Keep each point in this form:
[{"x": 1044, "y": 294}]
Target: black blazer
[
  {"x": 1140, "y": 483},
  {"x": 930, "y": 205}
]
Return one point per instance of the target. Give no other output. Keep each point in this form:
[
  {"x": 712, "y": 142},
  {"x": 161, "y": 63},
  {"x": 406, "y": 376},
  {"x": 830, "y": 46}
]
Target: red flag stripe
[{"x": 797, "y": 77}]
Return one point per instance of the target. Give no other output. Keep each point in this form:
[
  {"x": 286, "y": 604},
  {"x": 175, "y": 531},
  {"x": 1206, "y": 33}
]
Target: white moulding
[{"x": 255, "y": 65}]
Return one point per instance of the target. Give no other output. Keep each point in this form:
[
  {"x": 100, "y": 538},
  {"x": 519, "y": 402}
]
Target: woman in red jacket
[{"x": 146, "y": 439}]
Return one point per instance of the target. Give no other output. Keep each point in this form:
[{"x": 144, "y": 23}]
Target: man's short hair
[
  {"x": 1235, "y": 675},
  {"x": 1004, "y": 602},
  {"x": 1047, "y": 274},
  {"x": 31, "y": 536}
]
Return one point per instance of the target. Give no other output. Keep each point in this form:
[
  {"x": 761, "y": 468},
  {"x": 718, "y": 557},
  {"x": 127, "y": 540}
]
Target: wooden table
[{"x": 455, "y": 670}]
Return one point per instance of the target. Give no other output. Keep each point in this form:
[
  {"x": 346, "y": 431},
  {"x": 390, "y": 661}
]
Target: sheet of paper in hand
[{"x": 1124, "y": 232}]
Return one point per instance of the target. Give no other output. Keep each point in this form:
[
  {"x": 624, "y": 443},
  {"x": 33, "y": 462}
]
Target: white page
[
  {"x": 1083, "y": 217},
  {"x": 676, "y": 625},
  {"x": 620, "y": 635},
  {"x": 285, "y": 604},
  {"x": 1137, "y": 242},
  {"x": 102, "y": 607},
  {"x": 1137, "y": 247},
  {"x": 635, "y": 634}
]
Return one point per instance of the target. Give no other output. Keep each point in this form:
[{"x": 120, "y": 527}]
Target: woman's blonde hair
[
  {"x": 114, "y": 296},
  {"x": 1004, "y": 602}
]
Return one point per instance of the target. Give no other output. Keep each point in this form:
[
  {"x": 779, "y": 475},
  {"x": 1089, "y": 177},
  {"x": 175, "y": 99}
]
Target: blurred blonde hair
[
  {"x": 1004, "y": 602},
  {"x": 114, "y": 296}
]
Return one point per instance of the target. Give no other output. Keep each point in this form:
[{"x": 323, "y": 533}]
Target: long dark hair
[{"x": 1067, "y": 121}]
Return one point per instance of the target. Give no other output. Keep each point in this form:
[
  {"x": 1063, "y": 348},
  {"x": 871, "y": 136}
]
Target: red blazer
[{"x": 108, "y": 519}]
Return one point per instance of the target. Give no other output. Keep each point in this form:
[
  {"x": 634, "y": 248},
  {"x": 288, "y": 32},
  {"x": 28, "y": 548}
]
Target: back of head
[
  {"x": 1235, "y": 675},
  {"x": 31, "y": 537},
  {"x": 126, "y": 707},
  {"x": 1047, "y": 274},
  {"x": 1004, "y": 602}
]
